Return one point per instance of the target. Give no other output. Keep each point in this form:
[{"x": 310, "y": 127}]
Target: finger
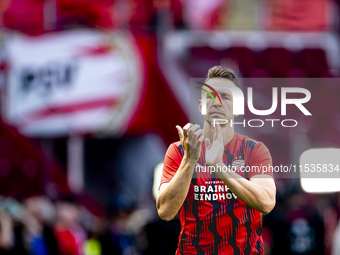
[
  {"x": 220, "y": 135},
  {"x": 200, "y": 140},
  {"x": 197, "y": 133},
  {"x": 180, "y": 133},
  {"x": 185, "y": 129},
  {"x": 207, "y": 143},
  {"x": 193, "y": 129},
  {"x": 199, "y": 136},
  {"x": 214, "y": 132}
]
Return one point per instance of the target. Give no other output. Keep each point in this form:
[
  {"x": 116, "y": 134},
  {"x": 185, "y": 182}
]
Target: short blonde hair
[{"x": 223, "y": 72}]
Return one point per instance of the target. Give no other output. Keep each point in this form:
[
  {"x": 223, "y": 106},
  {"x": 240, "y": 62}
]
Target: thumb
[
  {"x": 207, "y": 143},
  {"x": 180, "y": 132}
]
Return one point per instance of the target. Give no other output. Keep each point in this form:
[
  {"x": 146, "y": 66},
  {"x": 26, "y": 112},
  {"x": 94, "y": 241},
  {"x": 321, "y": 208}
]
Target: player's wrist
[{"x": 189, "y": 160}]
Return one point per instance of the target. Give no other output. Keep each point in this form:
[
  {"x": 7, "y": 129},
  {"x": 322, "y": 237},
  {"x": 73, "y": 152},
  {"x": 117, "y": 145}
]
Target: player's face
[{"x": 218, "y": 110}]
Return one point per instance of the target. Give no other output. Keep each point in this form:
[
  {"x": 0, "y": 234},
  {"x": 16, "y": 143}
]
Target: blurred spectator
[
  {"x": 297, "y": 227},
  {"x": 18, "y": 227},
  {"x": 43, "y": 211},
  {"x": 116, "y": 239},
  {"x": 335, "y": 250},
  {"x": 161, "y": 236},
  {"x": 69, "y": 233},
  {"x": 6, "y": 232},
  {"x": 336, "y": 241}
]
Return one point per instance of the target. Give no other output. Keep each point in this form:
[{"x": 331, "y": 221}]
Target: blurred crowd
[
  {"x": 302, "y": 224},
  {"x": 40, "y": 226}
]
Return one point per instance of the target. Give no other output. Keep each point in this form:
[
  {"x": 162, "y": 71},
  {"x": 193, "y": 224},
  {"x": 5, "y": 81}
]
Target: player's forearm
[
  {"x": 172, "y": 197},
  {"x": 257, "y": 196}
]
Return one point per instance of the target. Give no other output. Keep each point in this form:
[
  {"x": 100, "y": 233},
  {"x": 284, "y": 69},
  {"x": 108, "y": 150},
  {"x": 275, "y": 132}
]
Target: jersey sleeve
[
  {"x": 260, "y": 161},
  {"x": 171, "y": 163}
]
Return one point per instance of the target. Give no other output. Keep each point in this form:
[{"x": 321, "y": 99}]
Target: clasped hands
[{"x": 191, "y": 137}]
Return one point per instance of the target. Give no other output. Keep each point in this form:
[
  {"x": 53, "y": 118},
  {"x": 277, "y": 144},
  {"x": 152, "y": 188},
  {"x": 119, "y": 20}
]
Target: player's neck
[{"x": 227, "y": 131}]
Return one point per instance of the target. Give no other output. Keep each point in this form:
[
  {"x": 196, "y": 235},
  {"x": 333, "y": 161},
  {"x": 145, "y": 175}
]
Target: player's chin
[{"x": 219, "y": 120}]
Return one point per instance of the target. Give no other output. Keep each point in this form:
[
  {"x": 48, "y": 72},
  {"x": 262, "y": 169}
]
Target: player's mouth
[{"x": 217, "y": 114}]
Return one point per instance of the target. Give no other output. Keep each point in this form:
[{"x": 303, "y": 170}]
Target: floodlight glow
[
  {"x": 326, "y": 161},
  {"x": 157, "y": 179}
]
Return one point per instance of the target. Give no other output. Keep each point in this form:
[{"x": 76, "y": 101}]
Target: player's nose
[{"x": 218, "y": 103}]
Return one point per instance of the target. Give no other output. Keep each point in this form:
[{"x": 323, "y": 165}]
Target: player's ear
[{"x": 200, "y": 105}]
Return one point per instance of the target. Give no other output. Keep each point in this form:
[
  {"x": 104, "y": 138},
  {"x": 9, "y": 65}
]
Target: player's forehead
[{"x": 221, "y": 85}]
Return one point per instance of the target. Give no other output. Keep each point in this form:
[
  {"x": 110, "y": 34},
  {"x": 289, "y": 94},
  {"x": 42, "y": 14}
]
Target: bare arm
[
  {"x": 172, "y": 194},
  {"x": 259, "y": 192}
]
